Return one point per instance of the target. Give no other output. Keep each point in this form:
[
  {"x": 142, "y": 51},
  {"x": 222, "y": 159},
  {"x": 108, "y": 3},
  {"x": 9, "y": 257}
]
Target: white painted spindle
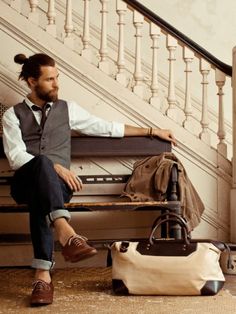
[
  {"x": 16, "y": 4},
  {"x": 33, "y": 5},
  {"x": 155, "y": 33},
  {"x": 33, "y": 14},
  {"x": 86, "y": 51},
  {"x": 138, "y": 88},
  {"x": 171, "y": 44},
  {"x": 51, "y": 15},
  {"x": 205, "y": 69},
  {"x": 220, "y": 82},
  {"x": 121, "y": 8},
  {"x": 103, "y": 51},
  {"x": 188, "y": 56},
  {"x": 69, "y": 40}
]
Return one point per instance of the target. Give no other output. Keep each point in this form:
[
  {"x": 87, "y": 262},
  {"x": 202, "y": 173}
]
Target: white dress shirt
[{"x": 80, "y": 120}]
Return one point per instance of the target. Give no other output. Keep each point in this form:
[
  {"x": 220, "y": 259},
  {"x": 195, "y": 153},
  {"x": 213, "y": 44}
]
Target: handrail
[{"x": 227, "y": 69}]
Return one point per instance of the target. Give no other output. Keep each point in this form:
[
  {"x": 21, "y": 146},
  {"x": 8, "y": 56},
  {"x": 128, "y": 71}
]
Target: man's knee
[
  {"x": 43, "y": 160},
  {"x": 43, "y": 164}
]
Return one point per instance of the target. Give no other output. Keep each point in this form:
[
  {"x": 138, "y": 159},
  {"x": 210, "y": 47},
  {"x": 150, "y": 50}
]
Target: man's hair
[{"x": 32, "y": 65}]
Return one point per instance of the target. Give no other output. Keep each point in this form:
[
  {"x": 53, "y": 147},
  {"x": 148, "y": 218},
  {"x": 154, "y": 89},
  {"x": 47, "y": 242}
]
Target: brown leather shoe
[
  {"x": 77, "y": 249},
  {"x": 42, "y": 293}
]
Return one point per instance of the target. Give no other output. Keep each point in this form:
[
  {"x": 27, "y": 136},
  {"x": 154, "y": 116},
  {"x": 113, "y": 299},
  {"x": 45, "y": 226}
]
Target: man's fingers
[
  {"x": 74, "y": 183},
  {"x": 79, "y": 183},
  {"x": 173, "y": 139}
]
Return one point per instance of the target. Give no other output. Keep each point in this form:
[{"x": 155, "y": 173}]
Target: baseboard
[{"x": 20, "y": 254}]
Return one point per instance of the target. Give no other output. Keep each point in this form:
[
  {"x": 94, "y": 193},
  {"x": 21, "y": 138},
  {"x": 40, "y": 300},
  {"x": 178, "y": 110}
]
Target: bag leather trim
[
  {"x": 119, "y": 287},
  {"x": 211, "y": 287}
]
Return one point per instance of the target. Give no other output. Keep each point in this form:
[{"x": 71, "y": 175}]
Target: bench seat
[{"x": 98, "y": 185}]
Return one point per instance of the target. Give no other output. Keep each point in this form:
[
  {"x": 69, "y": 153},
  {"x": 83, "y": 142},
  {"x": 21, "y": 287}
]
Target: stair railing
[{"x": 160, "y": 86}]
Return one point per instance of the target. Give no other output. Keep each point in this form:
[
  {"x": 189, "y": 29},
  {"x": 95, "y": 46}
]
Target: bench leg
[
  {"x": 173, "y": 185},
  {"x": 172, "y": 230}
]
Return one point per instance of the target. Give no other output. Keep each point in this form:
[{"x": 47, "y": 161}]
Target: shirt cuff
[
  {"x": 118, "y": 129},
  {"x": 20, "y": 161}
]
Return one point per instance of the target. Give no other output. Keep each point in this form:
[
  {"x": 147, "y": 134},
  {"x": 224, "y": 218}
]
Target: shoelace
[
  {"x": 40, "y": 285},
  {"x": 77, "y": 240}
]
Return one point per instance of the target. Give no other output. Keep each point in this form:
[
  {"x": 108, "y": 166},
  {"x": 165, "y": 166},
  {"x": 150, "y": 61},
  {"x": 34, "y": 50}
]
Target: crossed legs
[{"x": 37, "y": 184}]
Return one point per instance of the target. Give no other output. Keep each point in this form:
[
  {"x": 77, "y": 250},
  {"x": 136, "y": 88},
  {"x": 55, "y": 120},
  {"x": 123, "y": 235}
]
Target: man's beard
[{"x": 51, "y": 96}]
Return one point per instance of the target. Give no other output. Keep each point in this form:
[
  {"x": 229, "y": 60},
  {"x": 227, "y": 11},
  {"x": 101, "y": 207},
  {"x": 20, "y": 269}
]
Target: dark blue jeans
[{"x": 37, "y": 184}]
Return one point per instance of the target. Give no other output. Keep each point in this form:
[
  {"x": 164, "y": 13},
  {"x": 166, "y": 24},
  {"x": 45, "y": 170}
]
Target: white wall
[
  {"x": 101, "y": 95},
  {"x": 210, "y": 23}
]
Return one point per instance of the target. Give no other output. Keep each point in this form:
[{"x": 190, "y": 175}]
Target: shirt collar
[{"x": 30, "y": 103}]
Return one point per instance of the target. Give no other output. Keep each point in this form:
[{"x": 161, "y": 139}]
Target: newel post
[{"x": 233, "y": 189}]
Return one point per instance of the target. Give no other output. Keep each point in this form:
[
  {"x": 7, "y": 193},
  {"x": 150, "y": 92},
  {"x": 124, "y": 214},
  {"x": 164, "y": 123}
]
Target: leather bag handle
[
  {"x": 168, "y": 215},
  {"x": 175, "y": 218}
]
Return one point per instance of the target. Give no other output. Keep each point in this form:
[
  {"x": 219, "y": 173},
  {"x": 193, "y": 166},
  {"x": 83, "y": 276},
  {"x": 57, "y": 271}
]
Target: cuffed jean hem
[
  {"x": 59, "y": 213},
  {"x": 42, "y": 264}
]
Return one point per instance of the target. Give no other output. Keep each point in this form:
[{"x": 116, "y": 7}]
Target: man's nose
[{"x": 55, "y": 83}]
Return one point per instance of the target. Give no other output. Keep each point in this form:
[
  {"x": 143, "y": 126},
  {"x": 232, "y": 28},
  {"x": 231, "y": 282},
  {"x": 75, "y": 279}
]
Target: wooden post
[{"x": 233, "y": 190}]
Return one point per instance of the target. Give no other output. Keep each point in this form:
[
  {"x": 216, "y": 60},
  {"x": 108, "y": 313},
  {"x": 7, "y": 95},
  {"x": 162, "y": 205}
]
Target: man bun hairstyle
[
  {"x": 31, "y": 67},
  {"x": 20, "y": 58}
]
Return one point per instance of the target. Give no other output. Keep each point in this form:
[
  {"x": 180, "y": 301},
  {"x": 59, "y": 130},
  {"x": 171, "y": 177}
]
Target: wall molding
[{"x": 110, "y": 92}]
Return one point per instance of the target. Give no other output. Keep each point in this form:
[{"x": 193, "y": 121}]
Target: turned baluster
[
  {"x": 69, "y": 40},
  {"x": 121, "y": 9},
  {"x": 188, "y": 56},
  {"x": 155, "y": 33},
  {"x": 138, "y": 88},
  {"x": 204, "y": 69},
  {"x": 103, "y": 51},
  {"x": 171, "y": 44},
  {"x": 33, "y": 14},
  {"x": 220, "y": 82},
  {"x": 86, "y": 51},
  {"x": 51, "y": 15}
]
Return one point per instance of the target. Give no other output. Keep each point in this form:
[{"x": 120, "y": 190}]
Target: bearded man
[{"x": 37, "y": 143}]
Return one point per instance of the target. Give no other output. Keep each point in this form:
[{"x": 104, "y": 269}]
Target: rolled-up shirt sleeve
[
  {"x": 14, "y": 146},
  {"x": 84, "y": 122}
]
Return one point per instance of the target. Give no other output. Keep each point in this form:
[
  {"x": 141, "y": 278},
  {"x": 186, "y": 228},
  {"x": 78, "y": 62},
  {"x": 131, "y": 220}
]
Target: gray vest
[{"x": 54, "y": 140}]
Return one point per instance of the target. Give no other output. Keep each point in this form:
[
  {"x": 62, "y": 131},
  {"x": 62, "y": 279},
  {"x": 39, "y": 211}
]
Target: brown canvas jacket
[{"x": 149, "y": 182}]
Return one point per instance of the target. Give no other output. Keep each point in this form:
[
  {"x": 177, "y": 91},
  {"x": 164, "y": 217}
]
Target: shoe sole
[
  {"x": 40, "y": 303},
  {"x": 80, "y": 257}
]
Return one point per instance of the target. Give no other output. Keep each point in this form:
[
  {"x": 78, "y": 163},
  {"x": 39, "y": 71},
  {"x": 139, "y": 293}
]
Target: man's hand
[
  {"x": 165, "y": 135},
  {"x": 69, "y": 177}
]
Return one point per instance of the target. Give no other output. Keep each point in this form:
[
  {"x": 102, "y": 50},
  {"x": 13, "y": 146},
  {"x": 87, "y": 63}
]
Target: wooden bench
[{"x": 98, "y": 185}]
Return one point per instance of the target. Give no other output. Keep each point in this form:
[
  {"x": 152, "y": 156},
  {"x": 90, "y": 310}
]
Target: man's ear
[{"x": 31, "y": 81}]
